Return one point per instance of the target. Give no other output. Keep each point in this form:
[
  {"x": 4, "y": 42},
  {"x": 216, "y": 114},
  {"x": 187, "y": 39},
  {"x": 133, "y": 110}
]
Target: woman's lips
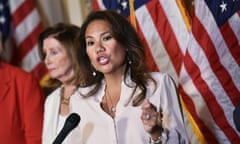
[{"x": 102, "y": 60}]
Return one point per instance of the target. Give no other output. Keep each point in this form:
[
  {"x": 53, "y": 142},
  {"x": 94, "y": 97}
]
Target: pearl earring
[
  {"x": 94, "y": 73},
  {"x": 128, "y": 59}
]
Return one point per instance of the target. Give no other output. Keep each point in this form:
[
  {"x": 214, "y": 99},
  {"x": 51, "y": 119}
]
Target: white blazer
[
  {"x": 50, "y": 122},
  {"x": 97, "y": 127}
]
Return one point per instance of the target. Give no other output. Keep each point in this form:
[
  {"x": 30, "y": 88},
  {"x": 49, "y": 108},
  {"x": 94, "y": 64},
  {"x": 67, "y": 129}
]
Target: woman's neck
[
  {"x": 113, "y": 81},
  {"x": 69, "y": 86},
  {"x": 115, "y": 78}
]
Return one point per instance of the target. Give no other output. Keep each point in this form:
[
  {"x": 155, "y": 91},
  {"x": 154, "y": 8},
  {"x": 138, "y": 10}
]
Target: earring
[
  {"x": 93, "y": 71},
  {"x": 128, "y": 57},
  {"x": 129, "y": 61}
]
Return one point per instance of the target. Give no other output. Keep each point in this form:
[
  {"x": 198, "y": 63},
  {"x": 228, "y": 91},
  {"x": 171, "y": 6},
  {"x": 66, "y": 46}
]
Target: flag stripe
[
  {"x": 28, "y": 25},
  {"x": 154, "y": 42},
  {"x": 163, "y": 44},
  {"x": 208, "y": 96},
  {"x": 150, "y": 61},
  {"x": 21, "y": 12},
  {"x": 211, "y": 80},
  {"x": 231, "y": 41},
  {"x": 176, "y": 23},
  {"x": 208, "y": 47},
  {"x": 31, "y": 60},
  {"x": 218, "y": 47},
  {"x": 98, "y": 5},
  {"x": 14, "y": 4},
  {"x": 95, "y": 5},
  {"x": 189, "y": 75},
  {"x": 27, "y": 44},
  {"x": 210, "y": 73},
  {"x": 192, "y": 109},
  {"x": 26, "y": 28},
  {"x": 167, "y": 36},
  {"x": 234, "y": 23}
]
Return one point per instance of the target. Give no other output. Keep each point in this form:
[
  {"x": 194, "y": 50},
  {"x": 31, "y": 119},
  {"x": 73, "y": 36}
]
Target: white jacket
[{"x": 50, "y": 122}]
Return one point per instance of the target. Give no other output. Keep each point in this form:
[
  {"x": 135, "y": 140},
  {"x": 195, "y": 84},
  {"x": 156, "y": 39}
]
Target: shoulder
[
  {"x": 15, "y": 73},
  {"x": 162, "y": 81},
  {"x": 160, "y": 76},
  {"x": 53, "y": 97},
  {"x": 83, "y": 90},
  {"x": 13, "y": 70},
  {"x": 157, "y": 74}
]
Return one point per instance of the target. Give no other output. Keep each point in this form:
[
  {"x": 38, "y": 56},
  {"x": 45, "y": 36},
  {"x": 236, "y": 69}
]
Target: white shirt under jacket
[
  {"x": 51, "y": 120},
  {"x": 97, "y": 127}
]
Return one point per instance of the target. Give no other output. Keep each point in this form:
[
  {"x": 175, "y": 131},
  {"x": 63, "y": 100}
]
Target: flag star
[
  {"x": 124, "y": 4},
  {"x": 2, "y": 20},
  {"x": 223, "y": 6}
]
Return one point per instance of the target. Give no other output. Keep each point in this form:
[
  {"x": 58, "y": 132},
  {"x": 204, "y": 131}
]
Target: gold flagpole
[{"x": 132, "y": 14}]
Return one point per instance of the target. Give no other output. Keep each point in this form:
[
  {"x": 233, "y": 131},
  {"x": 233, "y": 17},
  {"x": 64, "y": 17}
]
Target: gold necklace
[{"x": 64, "y": 100}]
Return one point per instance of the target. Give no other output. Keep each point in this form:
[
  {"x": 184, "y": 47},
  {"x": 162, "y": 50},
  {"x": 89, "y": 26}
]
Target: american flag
[
  {"x": 210, "y": 75},
  {"x": 20, "y": 25}
]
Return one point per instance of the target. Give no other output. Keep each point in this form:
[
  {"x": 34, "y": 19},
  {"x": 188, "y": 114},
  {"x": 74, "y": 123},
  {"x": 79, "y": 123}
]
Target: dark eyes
[
  {"x": 91, "y": 42},
  {"x": 107, "y": 37},
  {"x": 53, "y": 52}
]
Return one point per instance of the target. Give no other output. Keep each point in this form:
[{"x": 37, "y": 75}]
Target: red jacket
[{"x": 21, "y": 107}]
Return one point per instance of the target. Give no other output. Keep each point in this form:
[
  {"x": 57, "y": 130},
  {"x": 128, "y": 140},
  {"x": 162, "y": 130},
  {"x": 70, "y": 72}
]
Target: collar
[{"x": 126, "y": 91}]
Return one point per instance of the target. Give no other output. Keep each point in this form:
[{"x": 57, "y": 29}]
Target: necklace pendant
[
  {"x": 113, "y": 109},
  {"x": 65, "y": 101}
]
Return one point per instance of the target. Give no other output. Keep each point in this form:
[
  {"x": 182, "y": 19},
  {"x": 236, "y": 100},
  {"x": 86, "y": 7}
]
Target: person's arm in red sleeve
[{"x": 32, "y": 108}]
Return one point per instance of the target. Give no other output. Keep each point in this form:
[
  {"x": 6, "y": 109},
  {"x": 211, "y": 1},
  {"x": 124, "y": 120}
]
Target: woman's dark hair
[
  {"x": 126, "y": 35},
  {"x": 66, "y": 35}
]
